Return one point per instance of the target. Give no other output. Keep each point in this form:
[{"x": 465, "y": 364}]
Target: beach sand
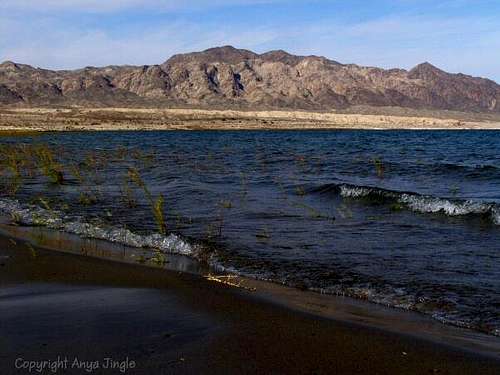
[{"x": 61, "y": 304}]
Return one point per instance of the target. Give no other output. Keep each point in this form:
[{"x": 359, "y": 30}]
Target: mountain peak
[
  {"x": 13, "y": 66},
  {"x": 9, "y": 65},
  {"x": 224, "y": 54},
  {"x": 232, "y": 55},
  {"x": 424, "y": 70},
  {"x": 426, "y": 65}
]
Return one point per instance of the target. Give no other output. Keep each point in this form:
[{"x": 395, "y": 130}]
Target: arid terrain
[
  {"x": 77, "y": 118},
  {"x": 229, "y": 88},
  {"x": 230, "y": 78}
]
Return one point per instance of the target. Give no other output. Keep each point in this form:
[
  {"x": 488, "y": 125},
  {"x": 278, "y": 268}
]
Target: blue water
[{"x": 409, "y": 219}]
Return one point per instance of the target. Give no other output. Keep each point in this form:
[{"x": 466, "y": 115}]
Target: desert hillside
[{"x": 226, "y": 77}]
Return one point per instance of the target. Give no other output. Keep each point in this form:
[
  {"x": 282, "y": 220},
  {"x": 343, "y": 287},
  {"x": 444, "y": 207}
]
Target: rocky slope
[{"x": 230, "y": 77}]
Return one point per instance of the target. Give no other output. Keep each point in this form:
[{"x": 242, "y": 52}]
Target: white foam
[
  {"x": 495, "y": 214},
  {"x": 354, "y": 191},
  {"x": 34, "y": 215},
  {"x": 432, "y": 205},
  {"x": 426, "y": 204}
]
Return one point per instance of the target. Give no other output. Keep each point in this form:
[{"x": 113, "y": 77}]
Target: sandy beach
[
  {"x": 61, "y": 304},
  {"x": 104, "y": 119}
]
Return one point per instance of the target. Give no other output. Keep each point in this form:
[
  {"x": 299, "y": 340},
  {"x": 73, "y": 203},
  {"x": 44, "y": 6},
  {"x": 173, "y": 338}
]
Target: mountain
[{"x": 230, "y": 77}]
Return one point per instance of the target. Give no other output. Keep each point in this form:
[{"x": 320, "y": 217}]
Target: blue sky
[{"x": 456, "y": 35}]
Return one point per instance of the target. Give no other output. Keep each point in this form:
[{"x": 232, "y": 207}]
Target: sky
[{"x": 455, "y": 35}]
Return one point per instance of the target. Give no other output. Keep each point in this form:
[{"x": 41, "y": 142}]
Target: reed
[
  {"x": 397, "y": 207},
  {"x": 314, "y": 213},
  {"x": 223, "y": 206},
  {"x": 209, "y": 231},
  {"x": 127, "y": 194},
  {"x": 244, "y": 186},
  {"x": 13, "y": 165},
  {"x": 157, "y": 204},
  {"x": 263, "y": 235},
  {"x": 227, "y": 204},
  {"x": 159, "y": 258},
  {"x": 300, "y": 191},
  {"x": 158, "y": 207},
  {"x": 15, "y": 218},
  {"x": 32, "y": 250},
  {"x": 379, "y": 167},
  {"x": 87, "y": 199},
  {"x": 48, "y": 165}
]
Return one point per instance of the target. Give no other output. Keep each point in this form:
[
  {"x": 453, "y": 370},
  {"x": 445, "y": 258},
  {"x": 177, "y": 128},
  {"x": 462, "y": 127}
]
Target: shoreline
[
  {"x": 344, "y": 310},
  {"x": 79, "y": 307},
  {"x": 42, "y": 119}
]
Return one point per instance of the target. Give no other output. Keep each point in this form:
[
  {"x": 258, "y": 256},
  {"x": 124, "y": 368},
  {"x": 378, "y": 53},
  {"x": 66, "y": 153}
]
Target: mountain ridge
[{"x": 239, "y": 78}]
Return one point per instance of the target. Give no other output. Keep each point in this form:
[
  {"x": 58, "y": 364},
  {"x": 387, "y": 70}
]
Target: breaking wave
[
  {"x": 417, "y": 202},
  {"x": 32, "y": 215}
]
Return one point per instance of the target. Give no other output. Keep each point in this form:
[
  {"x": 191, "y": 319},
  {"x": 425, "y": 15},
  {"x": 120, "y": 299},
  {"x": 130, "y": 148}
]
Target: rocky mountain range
[{"x": 236, "y": 78}]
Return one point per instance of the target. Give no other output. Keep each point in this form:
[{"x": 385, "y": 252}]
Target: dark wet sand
[{"x": 54, "y": 304}]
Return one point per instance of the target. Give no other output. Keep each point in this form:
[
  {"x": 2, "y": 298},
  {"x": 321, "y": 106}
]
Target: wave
[
  {"x": 32, "y": 215},
  {"x": 441, "y": 309},
  {"x": 417, "y": 202}
]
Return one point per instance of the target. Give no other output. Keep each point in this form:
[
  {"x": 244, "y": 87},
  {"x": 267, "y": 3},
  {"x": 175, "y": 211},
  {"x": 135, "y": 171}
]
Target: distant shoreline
[{"x": 40, "y": 119}]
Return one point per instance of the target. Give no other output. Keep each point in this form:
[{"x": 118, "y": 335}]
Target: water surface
[{"x": 409, "y": 219}]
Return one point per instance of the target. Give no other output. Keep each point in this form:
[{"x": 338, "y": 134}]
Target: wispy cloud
[
  {"x": 458, "y": 44},
  {"x": 45, "y": 6},
  {"x": 71, "y": 48},
  {"x": 48, "y": 34}
]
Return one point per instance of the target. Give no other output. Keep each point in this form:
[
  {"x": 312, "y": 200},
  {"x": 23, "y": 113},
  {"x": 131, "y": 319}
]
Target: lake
[{"x": 409, "y": 219}]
